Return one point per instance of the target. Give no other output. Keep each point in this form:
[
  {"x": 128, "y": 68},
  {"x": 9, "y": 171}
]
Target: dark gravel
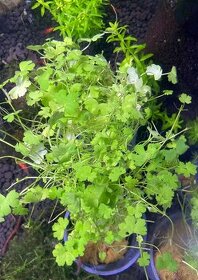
[
  {"x": 9, "y": 173},
  {"x": 136, "y": 14},
  {"x": 19, "y": 28}
]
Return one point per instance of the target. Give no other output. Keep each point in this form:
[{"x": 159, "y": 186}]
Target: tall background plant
[{"x": 75, "y": 18}]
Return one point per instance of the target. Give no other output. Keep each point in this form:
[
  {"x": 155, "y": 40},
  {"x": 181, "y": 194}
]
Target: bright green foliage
[
  {"x": 10, "y": 118},
  {"x": 75, "y": 18},
  {"x": 62, "y": 256},
  {"x": 11, "y": 203},
  {"x": 166, "y": 261},
  {"x": 81, "y": 141},
  {"x": 59, "y": 228},
  {"x": 186, "y": 169}
]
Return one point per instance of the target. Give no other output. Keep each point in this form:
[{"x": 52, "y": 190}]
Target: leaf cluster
[
  {"x": 80, "y": 143},
  {"x": 75, "y": 18}
]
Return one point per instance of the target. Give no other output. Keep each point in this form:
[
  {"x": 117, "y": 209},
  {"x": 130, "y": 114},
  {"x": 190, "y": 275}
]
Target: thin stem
[
  {"x": 8, "y": 100},
  {"x": 190, "y": 266}
]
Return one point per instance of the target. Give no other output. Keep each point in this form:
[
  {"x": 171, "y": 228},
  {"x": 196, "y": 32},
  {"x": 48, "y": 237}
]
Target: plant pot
[
  {"x": 161, "y": 229},
  {"x": 117, "y": 267},
  {"x": 160, "y": 237}
]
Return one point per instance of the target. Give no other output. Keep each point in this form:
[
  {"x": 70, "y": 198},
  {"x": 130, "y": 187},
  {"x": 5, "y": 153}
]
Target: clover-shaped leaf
[
  {"x": 185, "y": 99},
  {"x": 59, "y": 228},
  {"x": 166, "y": 261}
]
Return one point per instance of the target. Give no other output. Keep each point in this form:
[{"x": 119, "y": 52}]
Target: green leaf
[
  {"x": 146, "y": 56},
  {"x": 172, "y": 75},
  {"x": 44, "y": 79},
  {"x": 6, "y": 202},
  {"x": 33, "y": 97},
  {"x": 140, "y": 227},
  {"x": 115, "y": 173},
  {"x": 102, "y": 256},
  {"x": 168, "y": 92},
  {"x": 109, "y": 238},
  {"x": 92, "y": 105},
  {"x": 105, "y": 211},
  {"x": 186, "y": 169},
  {"x": 20, "y": 210},
  {"x": 59, "y": 228},
  {"x": 61, "y": 255},
  {"x": 10, "y": 117},
  {"x": 21, "y": 148},
  {"x": 144, "y": 259},
  {"x": 26, "y": 66},
  {"x": 170, "y": 155},
  {"x": 83, "y": 172},
  {"x": 181, "y": 146},
  {"x": 62, "y": 152},
  {"x": 185, "y": 99},
  {"x": 34, "y": 194},
  {"x": 166, "y": 261},
  {"x": 71, "y": 104},
  {"x": 31, "y": 139},
  {"x": 74, "y": 55},
  {"x": 13, "y": 198},
  {"x": 4, "y": 206},
  {"x": 93, "y": 39},
  {"x": 34, "y": 47}
]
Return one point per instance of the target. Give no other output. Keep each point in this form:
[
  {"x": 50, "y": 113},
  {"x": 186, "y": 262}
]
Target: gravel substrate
[
  {"x": 10, "y": 172},
  {"x": 136, "y": 14},
  {"x": 18, "y": 29}
]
